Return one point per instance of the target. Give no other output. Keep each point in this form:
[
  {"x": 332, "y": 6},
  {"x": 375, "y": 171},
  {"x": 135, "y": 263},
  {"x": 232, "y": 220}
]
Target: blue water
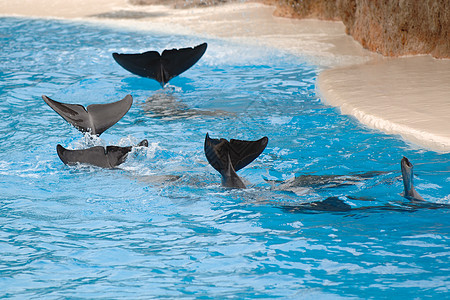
[{"x": 161, "y": 226}]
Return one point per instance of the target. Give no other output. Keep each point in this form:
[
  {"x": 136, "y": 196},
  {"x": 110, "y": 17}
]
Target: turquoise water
[{"x": 161, "y": 226}]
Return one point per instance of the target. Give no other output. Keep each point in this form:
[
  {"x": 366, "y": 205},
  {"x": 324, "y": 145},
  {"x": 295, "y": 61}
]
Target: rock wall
[
  {"x": 180, "y": 3},
  {"x": 389, "y": 27}
]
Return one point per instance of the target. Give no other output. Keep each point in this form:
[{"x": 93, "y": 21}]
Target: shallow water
[{"x": 160, "y": 226}]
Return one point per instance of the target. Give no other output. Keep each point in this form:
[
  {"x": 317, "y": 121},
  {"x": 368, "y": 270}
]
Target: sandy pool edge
[{"x": 408, "y": 96}]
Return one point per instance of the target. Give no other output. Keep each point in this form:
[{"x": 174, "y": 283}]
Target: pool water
[{"x": 160, "y": 225}]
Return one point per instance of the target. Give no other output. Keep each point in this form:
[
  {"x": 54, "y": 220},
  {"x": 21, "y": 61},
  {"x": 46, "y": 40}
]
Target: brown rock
[
  {"x": 390, "y": 27},
  {"x": 323, "y": 10},
  {"x": 179, "y": 3}
]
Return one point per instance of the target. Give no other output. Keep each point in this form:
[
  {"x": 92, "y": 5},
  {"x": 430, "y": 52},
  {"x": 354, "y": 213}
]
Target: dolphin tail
[
  {"x": 98, "y": 156},
  {"x": 162, "y": 67},
  {"x": 96, "y": 118},
  {"x": 407, "y": 176},
  {"x": 227, "y": 157},
  {"x": 95, "y": 156}
]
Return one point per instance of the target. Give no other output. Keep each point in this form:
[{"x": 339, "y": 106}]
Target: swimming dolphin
[
  {"x": 407, "y": 175},
  {"x": 108, "y": 157},
  {"x": 306, "y": 183},
  {"x": 96, "y": 118},
  {"x": 162, "y": 67},
  {"x": 330, "y": 204},
  {"x": 334, "y": 204},
  {"x": 227, "y": 157}
]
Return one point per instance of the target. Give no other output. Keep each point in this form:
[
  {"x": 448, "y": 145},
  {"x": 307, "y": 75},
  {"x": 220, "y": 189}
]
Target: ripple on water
[{"x": 160, "y": 225}]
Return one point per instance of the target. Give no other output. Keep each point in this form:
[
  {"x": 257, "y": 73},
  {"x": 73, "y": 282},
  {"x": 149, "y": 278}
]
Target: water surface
[{"x": 161, "y": 225}]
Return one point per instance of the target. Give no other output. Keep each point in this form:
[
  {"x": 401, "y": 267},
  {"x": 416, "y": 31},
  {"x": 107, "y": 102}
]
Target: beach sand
[{"x": 408, "y": 96}]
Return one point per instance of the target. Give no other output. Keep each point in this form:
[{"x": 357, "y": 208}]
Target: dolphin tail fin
[
  {"x": 98, "y": 156},
  {"x": 239, "y": 153},
  {"x": 218, "y": 155},
  {"x": 176, "y": 61},
  {"x": 162, "y": 67},
  {"x": 96, "y": 118},
  {"x": 243, "y": 153},
  {"x": 147, "y": 64},
  {"x": 407, "y": 176},
  {"x": 108, "y": 157},
  {"x": 93, "y": 156}
]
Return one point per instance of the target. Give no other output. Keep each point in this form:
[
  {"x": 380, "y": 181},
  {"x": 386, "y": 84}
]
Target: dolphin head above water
[{"x": 407, "y": 175}]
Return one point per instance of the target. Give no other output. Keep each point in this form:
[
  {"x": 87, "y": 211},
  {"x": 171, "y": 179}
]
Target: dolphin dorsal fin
[
  {"x": 96, "y": 118},
  {"x": 239, "y": 152},
  {"x": 162, "y": 67}
]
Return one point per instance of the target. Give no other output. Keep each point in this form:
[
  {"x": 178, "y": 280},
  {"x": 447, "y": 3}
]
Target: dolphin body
[
  {"x": 96, "y": 118},
  {"x": 109, "y": 157},
  {"x": 227, "y": 157},
  {"x": 330, "y": 204},
  {"x": 407, "y": 175},
  {"x": 161, "y": 67},
  {"x": 334, "y": 204}
]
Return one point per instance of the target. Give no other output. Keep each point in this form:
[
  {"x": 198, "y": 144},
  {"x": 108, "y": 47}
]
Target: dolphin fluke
[
  {"x": 162, "y": 67},
  {"x": 96, "y": 118},
  {"x": 407, "y": 175},
  {"x": 227, "y": 157},
  {"x": 99, "y": 156}
]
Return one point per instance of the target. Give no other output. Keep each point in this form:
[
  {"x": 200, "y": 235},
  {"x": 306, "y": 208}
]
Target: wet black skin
[
  {"x": 161, "y": 67},
  {"x": 227, "y": 157}
]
